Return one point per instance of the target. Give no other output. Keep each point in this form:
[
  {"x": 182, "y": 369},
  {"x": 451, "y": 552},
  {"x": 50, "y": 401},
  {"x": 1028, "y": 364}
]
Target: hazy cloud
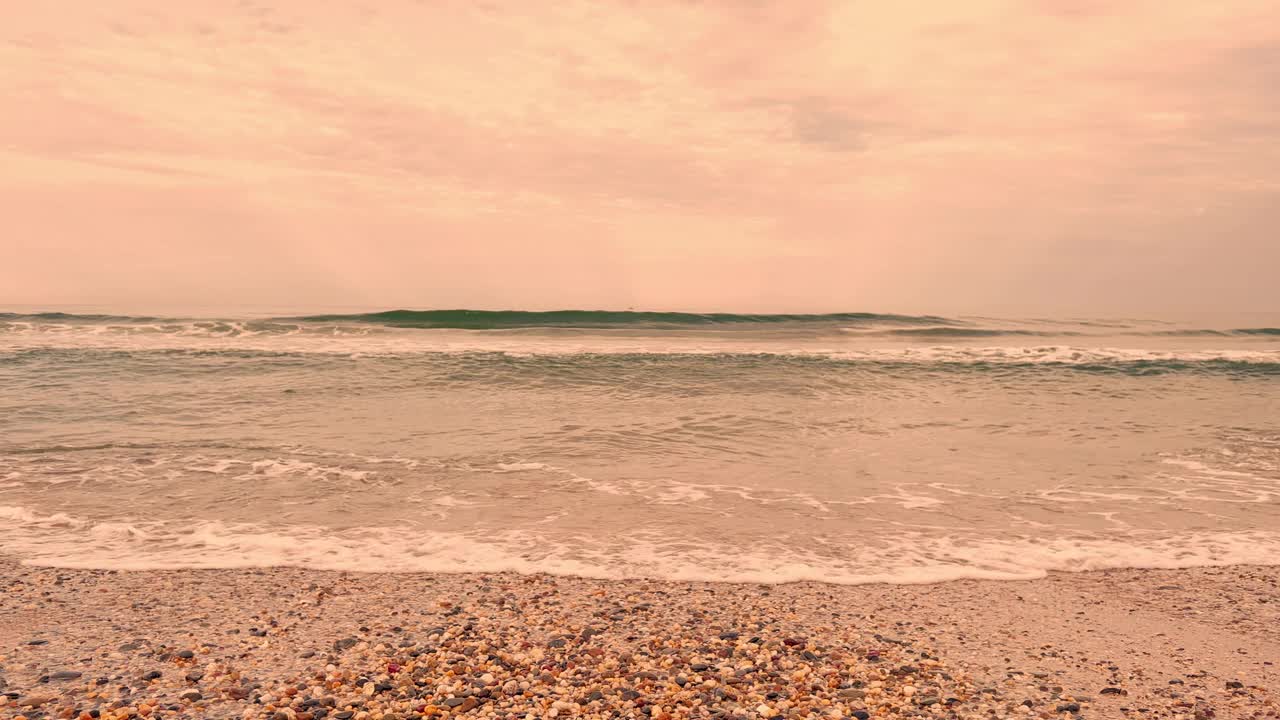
[{"x": 989, "y": 155}]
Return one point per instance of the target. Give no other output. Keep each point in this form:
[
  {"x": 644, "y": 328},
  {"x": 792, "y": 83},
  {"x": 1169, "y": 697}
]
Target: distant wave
[
  {"x": 973, "y": 332},
  {"x": 954, "y": 331},
  {"x": 72, "y": 317},
  {"x": 859, "y": 323},
  {"x": 506, "y": 319},
  {"x": 1263, "y": 331}
]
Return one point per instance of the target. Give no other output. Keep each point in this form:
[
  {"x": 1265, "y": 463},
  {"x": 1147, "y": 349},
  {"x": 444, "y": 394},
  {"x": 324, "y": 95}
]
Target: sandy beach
[{"x": 297, "y": 644}]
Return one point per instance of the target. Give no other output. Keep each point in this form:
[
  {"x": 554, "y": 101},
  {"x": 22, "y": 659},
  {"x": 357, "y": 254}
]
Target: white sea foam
[
  {"x": 450, "y": 501},
  {"x": 678, "y": 493},
  {"x": 216, "y": 467},
  {"x": 388, "y": 341},
  {"x": 283, "y": 467},
  {"x": 23, "y": 516},
  {"x": 517, "y": 467},
  {"x": 117, "y": 531},
  {"x": 64, "y": 541}
]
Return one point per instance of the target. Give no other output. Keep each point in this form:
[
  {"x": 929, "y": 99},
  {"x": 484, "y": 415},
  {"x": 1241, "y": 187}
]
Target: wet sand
[{"x": 297, "y": 644}]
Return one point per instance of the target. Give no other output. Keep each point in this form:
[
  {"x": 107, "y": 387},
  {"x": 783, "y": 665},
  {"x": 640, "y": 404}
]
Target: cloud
[{"x": 871, "y": 146}]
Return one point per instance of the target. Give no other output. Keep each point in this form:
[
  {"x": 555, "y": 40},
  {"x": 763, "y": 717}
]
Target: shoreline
[{"x": 1098, "y": 644}]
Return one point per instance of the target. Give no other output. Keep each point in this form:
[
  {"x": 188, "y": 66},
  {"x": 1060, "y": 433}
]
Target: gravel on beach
[{"x": 292, "y": 644}]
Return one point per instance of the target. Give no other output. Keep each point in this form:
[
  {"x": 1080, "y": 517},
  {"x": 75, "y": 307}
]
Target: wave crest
[{"x": 509, "y": 319}]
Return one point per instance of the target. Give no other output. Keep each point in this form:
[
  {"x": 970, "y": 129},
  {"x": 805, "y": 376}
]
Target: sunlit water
[{"x": 845, "y": 448}]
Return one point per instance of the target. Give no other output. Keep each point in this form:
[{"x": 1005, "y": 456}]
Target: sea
[{"x": 843, "y": 448}]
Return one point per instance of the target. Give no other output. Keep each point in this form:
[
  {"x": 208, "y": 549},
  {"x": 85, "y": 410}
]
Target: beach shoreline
[{"x": 294, "y": 643}]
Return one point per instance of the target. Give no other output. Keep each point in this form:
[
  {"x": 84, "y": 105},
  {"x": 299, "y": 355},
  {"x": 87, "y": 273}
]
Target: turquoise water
[{"x": 845, "y": 447}]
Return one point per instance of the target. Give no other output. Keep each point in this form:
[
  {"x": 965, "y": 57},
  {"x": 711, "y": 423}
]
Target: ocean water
[{"x": 843, "y": 448}]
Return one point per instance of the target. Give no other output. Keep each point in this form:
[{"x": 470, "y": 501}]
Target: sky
[{"x": 1028, "y": 156}]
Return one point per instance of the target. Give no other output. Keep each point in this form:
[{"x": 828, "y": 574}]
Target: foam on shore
[{"x": 62, "y": 540}]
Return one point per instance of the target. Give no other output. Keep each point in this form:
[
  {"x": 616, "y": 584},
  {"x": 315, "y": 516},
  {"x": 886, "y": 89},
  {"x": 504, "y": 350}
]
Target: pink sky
[{"x": 1073, "y": 156}]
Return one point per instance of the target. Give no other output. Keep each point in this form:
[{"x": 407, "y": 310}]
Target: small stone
[
  {"x": 852, "y": 694},
  {"x": 195, "y": 676},
  {"x": 37, "y": 642},
  {"x": 1113, "y": 691},
  {"x": 861, "y": 714},
  {"x": 1069, "y": 707},
  {"x": 1234, "y": 685},
  {"x": 33, "y": 701},
  {"x": 64, "y": 675},
  {"x": 186, "y": 654},
  {"x": 191, "y": 696},
  {"x": 154, "y": 674}
]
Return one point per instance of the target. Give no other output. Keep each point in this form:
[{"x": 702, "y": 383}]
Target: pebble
[{"x": 538, "y": 647}]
